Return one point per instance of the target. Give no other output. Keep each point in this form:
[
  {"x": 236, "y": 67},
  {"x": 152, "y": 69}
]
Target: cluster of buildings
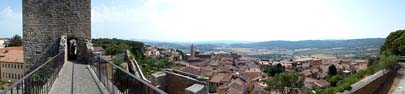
[
  {"x": 231, "y": 73},
  {"x": 11, "y": 63},
  {"x": 157, "y": 53},
  {"x": 221, "y": 73},
  {"x": 4, "y": 42},
  {"x": 315, "y": 69}
]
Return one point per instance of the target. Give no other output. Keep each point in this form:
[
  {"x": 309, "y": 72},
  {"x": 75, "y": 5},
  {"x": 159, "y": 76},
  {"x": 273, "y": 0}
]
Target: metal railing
[
  {"x": 40, "y": 79},
  {"x": 119, "y": 81}
]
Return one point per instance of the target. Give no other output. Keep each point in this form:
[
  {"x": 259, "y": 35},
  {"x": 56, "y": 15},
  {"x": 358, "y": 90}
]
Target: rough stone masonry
[{"x": 45, "y": 21}]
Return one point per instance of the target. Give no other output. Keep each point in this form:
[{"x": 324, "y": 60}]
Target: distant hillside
[
  {"x": 369, "y": 42},
  {"x": 352, "y": 43},
  {"x": 186, "y": 46}
]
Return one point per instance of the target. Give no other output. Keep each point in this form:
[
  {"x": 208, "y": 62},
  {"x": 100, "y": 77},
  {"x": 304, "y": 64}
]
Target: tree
[
  {"x": 16, "y": 41},
  {"x": 119, "y": 59},
  {"x": 372, "y": 60},
  {"x": 111, "y": 50},
  {"x": 395, "y": 43},
  {"x": 389, "y": 60},
  {"x": 332, "y": 70},
  {"x": 289, "y": 80},
  {"x": 335, "y": 79},
  {"x": 116, "y": 46},
  {"x": 274, "y": 70}
]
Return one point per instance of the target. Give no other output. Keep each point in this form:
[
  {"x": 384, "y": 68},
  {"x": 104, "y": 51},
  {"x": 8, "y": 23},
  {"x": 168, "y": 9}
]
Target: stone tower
[
  {"x": 45, "y": 21},
  {"x": 192, "y": 50}
]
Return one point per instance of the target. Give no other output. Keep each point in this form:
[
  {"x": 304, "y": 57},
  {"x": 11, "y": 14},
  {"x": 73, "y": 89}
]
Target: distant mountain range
[
  {"x": 314, "y": 43},
  {"x": 367, "y": 42},
  {"x": 195, "y": 42}
]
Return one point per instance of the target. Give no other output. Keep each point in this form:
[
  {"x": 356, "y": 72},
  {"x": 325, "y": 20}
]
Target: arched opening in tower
[{"x": 72, "y": 49}]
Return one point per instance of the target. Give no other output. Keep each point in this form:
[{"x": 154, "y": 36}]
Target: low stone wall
[{"x": 378, "y": 83}]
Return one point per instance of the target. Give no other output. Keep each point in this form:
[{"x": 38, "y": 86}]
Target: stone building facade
[
  {"x": 45, "y": 21},
  {"x": 11, "y": 64}
]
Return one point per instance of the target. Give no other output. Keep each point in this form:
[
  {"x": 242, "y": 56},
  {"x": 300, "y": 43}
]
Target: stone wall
[
  {"x": 177, "y": 83},
  {"x": 377, "y": 85},
  {"x": 45, "y": 21}
]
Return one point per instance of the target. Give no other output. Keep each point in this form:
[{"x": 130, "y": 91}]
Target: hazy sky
[{"x": 249, "y": 20}]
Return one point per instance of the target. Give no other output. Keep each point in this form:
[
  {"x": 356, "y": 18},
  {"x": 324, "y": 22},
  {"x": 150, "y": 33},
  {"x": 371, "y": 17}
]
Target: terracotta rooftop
[
  {"x": 307, "y": 73},
  {"x": 322, "y": 83},
  {"x": 322, "y": 74},
  {"x": 98, "y": 49},
  {"x": 12, "y": 54},
  {"x": 217, "y": 78},
  {"x": 252, "y": 75},
  {"x": 226, "y": 78},
  {"x": 191, "y": 70},
  {"x": 236, "y": 87},
  {"x": 309, "y": 80},
  {"x": 234, "y": 91},
  {"x": 253, "y": 70},
  {"x": 258, "y": 88}
]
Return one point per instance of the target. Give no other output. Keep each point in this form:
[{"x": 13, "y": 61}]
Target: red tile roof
[
  {"x": 217, "y": 78},
  {"x": 12, "y": 54},
  {"x": 98, "y": 49},
  {"x": 309, "y": 80},
  {"x": 191, "y": 70},
  {"x": 234, "y": 91},
  {"x": 322, "y": 83},
  {"x": 252, "y": 75}
]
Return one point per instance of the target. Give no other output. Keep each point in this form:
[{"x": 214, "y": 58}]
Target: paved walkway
[
  {"x": 75, "y": 78},
  {"x": 399, "y": 82}
]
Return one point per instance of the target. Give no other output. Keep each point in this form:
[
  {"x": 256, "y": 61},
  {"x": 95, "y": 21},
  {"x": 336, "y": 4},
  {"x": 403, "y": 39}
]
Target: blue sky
[{"x": 242, "y": 20}]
